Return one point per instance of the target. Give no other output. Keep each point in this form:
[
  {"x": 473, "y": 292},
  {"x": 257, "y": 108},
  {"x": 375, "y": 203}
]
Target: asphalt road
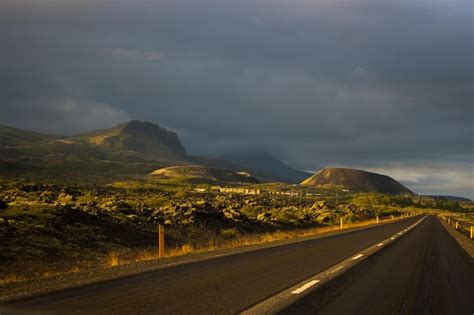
[
  {"x": 225, "y": 285},
  {"x": 425, "y": 272}
]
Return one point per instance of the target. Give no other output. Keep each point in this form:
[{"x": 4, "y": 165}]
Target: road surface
[
  {"x": 425, "y": 272},
  {"x": 429, "y": 263}
]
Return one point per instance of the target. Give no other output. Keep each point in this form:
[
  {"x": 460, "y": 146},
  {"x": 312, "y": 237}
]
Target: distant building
[
  {"x": 239, "y": 190},
  {"x": 285, "y": 193}
]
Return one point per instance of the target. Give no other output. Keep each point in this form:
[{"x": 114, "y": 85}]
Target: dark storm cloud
[{"x": 375, "y": 84}]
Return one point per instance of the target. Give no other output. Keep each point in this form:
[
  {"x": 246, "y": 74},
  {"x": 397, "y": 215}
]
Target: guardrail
[{"x": 462, "y": 227}]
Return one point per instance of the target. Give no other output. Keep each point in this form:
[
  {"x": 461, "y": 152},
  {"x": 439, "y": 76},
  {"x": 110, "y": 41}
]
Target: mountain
[
  {"x": 141, "y": 137},
  {"x": 203, "y": 173},
  {"x": 265, "y": 166},
  {"x": 130, "y": 148},
  {"x": 356, "y": 180}
]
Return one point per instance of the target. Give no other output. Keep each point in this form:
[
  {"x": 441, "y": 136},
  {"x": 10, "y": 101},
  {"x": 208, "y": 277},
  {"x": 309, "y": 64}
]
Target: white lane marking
[
  {"x": 313, "y": 282},
  {"x": 357, "y": 257},
  {"x": 337, "y": 269},
  {"x": 405, "y": 230},
  {"x": 305, "y": 287}
]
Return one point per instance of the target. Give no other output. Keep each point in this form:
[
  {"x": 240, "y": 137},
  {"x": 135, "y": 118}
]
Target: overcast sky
[{"x": 382, "y": 85}]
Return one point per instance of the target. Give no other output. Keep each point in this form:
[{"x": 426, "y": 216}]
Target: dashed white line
[
  {"x": 357, "y": 257},
  {"x": 380, "y": 244},
  {"x": 392, "y": 238},
  {"x": 305, "y": 287}
]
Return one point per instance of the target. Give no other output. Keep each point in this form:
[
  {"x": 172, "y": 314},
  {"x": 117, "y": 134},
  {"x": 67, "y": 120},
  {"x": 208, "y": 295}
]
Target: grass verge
[{"x": 244, "y": 240}]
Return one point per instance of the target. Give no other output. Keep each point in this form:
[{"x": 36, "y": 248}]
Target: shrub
[
  {"x": 251, "y": 212},
  {"x": 87, "y": 197},
  {"x": 229, "y": 233},
  {"x": 180, "y": 194}
]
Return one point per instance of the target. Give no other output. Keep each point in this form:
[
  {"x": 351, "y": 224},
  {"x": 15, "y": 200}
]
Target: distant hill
[
  {"x": 450, "y": 198},
  {"x": 203, "y": 173},
  {"x": 266, "y": 166},
  {"x": 356, "y": 180},
  {"x": 129, "y": 148}
]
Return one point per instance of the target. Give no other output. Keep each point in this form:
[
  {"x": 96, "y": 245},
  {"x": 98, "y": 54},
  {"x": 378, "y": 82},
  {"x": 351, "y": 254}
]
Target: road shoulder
[{"x": 461, "y": 239}]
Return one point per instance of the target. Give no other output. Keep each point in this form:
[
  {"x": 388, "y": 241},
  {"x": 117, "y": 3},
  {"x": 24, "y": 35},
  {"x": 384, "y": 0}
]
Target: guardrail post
[
  {"x": 392, "y": 216},
  {"x": 472, "y": 232},
  {"x": 456, "y": 225},
  {"x": 161, "y": 241},
  {"x": 341, "y": 224},
  {"x": 377, "y": 219}
]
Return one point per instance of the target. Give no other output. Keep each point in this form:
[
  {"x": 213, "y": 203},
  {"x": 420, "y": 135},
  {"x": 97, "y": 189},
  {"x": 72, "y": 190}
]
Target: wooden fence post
[{"x": 161, "y": 241}]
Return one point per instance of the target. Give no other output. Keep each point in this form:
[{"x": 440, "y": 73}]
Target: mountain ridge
[{"x": 138, "y": 136}]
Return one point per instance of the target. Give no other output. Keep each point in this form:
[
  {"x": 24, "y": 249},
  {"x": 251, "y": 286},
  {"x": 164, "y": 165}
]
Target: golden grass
[
  {"x": 112, "y": 260},
  {"x": 285, "y": 235},
  {"x": 10, "y": 278},
  {"x": 146, "y": 255},
  {"x": 248, "y": 240},
  {"x": 75, "y": 270},
  {"x": 50, "y": 273},
  {"x": 183, "y": 250}
]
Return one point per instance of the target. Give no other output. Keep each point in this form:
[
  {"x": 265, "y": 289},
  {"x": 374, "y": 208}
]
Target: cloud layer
[{"x": 367, "y": 83}]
